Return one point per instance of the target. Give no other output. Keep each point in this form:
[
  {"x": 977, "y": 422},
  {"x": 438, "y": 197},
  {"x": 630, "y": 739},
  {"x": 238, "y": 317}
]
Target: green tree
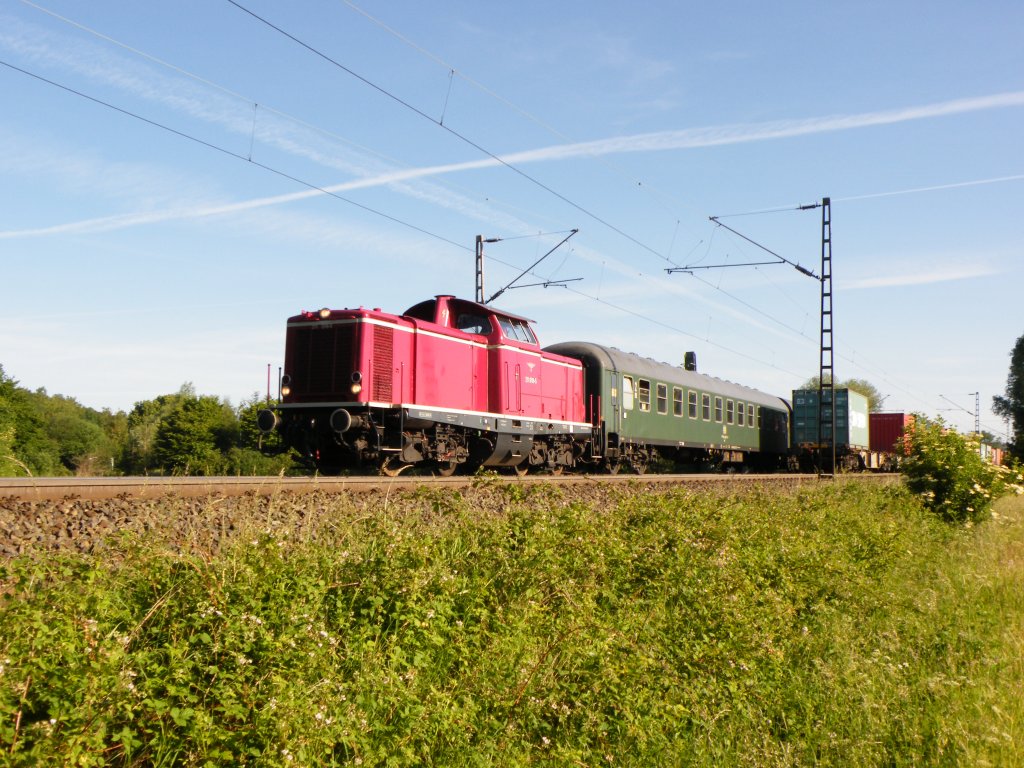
[
  {"x": 138, "y": 454},
  {"x": 1011, "y": 405},
  {"x": 83, "y": 447},
  {"x": 28, "y": 447},
  {"x": 864, "y": 387},
  {"x": 195, "y": 436},
  {"x": 10, "y": 464}
]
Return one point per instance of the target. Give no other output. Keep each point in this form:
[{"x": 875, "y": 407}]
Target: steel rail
[{"x": 97, "y": 488}]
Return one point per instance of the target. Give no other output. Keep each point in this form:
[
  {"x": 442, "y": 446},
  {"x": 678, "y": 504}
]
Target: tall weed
[{"x": 840, "y": 625}]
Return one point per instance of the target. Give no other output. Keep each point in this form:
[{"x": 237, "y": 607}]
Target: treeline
[{"x": 176, "y": 434}]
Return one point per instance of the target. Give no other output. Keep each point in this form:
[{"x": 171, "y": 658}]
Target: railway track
[{"x": 98, "y": 488}]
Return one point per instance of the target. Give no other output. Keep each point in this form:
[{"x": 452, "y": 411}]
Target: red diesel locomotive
[{"x": 449, "y": 382}]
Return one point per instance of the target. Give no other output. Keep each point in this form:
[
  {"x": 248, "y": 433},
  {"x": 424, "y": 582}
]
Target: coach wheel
[{"x": 614, "y": 466}]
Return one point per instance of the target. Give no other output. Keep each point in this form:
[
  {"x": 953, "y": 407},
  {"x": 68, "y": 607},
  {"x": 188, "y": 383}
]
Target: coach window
[
  {"x": 643, "y": 394},
  {"x": 705, "y": 407},
  {"x": 741, "y": 414},
  {"x": 662, "y": 391},
  {"x": 759, "y": 417},
  {"x": 729, "y": 412},
  {"x": 691, "y": 404},
  {"x": 677, "y": 401},
  {"x": 627, "y": 393},
  {"x": 718, "y": 410}
]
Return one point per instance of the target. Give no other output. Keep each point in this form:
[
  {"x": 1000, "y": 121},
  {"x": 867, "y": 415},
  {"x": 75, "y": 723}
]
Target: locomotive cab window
[
  {"x": 526, "y": 332},
  {"x": 677, "y": 401},
  {"x": 471, "y": 323},
  {"x": 516, "y": 330},
  {"x": 643, "y": 394},
  {"x": 705, "y": 407},
  {"x": 627, "y": 393},
  {"x": 662, "y": 393},
  {"x": 718, "y": 410}
]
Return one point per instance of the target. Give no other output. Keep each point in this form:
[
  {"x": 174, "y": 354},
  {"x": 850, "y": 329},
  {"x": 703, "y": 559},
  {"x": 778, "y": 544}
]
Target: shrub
[{"x": 947, "y": 471}]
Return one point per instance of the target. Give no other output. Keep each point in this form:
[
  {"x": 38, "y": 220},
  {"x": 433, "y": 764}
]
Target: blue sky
[{"x": 180, "y": 177}]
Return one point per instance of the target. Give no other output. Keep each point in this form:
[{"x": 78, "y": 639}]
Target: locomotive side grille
[
  {"x": 383, "y": 363},
  {"x": 322, "y": 361}
]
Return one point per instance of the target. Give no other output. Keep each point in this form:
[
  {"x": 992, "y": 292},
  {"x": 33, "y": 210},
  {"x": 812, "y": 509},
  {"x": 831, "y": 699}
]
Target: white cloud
[
  {"x": 650, "y": 142},
  {"x": 943, "y": 274}
]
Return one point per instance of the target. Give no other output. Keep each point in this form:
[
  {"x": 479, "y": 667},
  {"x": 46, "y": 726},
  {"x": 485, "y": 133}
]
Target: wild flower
[{"x": 948, "y": 474}]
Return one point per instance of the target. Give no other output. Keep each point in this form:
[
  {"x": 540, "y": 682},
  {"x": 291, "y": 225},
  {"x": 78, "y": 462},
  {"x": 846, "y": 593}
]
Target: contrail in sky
[{"x": 691, "y": 138}]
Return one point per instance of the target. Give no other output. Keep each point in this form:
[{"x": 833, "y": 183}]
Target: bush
[{"x": 946, "y": 470}]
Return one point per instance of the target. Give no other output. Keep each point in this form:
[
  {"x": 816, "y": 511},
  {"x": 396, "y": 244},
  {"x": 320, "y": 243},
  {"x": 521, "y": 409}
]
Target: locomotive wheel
[
  {"x": 393, "y": 467},
  {"x": 517, "y": 470},
  {"x": 446, "y": 468}
]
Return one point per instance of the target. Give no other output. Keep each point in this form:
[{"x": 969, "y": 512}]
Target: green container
[{"x": 851, "y": 419}]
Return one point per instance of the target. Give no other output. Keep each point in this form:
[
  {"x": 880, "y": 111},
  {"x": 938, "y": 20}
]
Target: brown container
[{"x": 887, "y": 429}]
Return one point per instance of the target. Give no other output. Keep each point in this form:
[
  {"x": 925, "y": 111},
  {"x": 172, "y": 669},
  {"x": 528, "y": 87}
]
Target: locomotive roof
[
  {"x": 630, "y": 363},
  {"x": 484, "y": 309}
]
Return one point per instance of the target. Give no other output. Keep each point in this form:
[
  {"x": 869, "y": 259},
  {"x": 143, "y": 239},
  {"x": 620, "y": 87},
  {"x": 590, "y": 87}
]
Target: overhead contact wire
[
  {"x": 447, "y": 128},
  {"x": 235, "y": 155}
]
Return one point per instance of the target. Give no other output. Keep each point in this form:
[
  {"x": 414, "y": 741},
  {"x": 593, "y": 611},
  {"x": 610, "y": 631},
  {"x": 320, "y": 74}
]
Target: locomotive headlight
[
  {"x": 286, "y": 390},
  {"x": 357, "y": 388},
  {"x": 325, "y": 313},
  {"x": 357, "y": 385}
]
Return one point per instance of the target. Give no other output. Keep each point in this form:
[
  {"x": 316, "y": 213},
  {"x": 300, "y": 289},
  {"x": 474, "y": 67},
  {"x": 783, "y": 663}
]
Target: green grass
[{"x": 841, "y": 625}]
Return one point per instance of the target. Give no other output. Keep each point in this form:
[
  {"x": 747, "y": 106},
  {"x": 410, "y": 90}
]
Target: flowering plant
[{"x": 947, "y": 471}]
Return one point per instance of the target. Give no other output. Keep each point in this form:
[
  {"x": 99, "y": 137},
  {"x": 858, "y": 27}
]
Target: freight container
[
  {"x": 851, "y": 419},
  {"x": 888, "y": 429}
]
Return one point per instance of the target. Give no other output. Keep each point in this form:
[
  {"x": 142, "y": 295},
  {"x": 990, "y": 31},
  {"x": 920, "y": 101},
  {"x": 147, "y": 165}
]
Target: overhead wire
[
  {"x": 235, "y": 155},
  {"x": 460, "y": 136},
  {"x": 655, "y": 192}
]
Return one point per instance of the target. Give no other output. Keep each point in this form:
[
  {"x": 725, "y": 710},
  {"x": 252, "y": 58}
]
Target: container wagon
[{"x": 852, "y": 429}]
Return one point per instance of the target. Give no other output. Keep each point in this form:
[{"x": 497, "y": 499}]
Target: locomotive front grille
[{"x": 322, "y": 361}]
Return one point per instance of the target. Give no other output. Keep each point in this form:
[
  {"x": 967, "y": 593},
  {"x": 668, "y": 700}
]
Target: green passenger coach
[{"x": 642, "y": 409}]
